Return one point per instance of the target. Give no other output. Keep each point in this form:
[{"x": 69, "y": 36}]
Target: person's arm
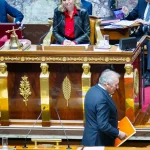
[
  {"x": 134, "y": 14},
  {"x": 57, "y": 19},
  {"x": 14, "y": 12},
  {"x": 103, "y": 115},
  {"x": 85, "y": 37}
]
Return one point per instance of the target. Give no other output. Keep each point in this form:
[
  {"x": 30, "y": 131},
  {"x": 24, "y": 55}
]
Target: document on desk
[
  {"x": 124, "y": 23},
  {"x": 113, "y": 26},
  {"x": 85, "y": 45},
  {"x": 94, "y": 148}
]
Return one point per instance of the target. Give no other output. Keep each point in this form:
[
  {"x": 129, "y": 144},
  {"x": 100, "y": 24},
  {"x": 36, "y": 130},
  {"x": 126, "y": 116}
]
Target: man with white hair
[{"x": 101, "y": 120}]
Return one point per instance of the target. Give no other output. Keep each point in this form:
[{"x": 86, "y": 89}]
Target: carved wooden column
[
  {"x": 4, "y": 102},
  {"x": 44, "y": 92},
  {"x": 86, "y": 83},
  {"x": 131, "y": 84}
]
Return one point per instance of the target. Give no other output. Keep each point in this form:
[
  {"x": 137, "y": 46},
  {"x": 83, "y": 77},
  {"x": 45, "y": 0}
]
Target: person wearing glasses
[
  {"x": 6, "y": 9},
  {"x": 71, "y": 23},
  {"x": 101, "y": 120}
]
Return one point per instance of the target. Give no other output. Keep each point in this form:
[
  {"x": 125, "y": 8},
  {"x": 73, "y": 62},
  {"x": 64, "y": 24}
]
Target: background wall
[{"x": 38, "y": 11}]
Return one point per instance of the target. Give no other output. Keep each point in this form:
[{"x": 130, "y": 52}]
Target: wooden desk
[
  {"x": 78, "y": 147},
  {"x": 62, "y": 64},
  {"x": 116, "y": 34}
]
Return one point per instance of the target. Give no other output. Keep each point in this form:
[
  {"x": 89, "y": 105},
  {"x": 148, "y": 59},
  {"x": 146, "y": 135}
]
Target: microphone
[
  {"x": 41, "y": 38},
  {"x": 68, "y": 148},
  {"x": 25, "y": 141}
]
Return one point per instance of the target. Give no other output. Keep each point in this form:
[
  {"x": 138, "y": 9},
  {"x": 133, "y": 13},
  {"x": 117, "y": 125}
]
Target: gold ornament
[
  {"x": 66, "y": 87},
  {"x": 25, "y": 89}
]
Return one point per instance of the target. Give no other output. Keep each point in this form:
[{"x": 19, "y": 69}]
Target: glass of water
[
  {"x": 106, "y": 39},
  {"x": 4, "y": 143}
]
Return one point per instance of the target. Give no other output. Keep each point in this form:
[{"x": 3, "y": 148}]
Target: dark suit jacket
[
  {"x": 101, "y": 118},
  {"x": 81, "y": 27},
  {"x": 138, "y": 12},
  {"x": 7, "y": 9},
  {"x": 87, "y": 5}
]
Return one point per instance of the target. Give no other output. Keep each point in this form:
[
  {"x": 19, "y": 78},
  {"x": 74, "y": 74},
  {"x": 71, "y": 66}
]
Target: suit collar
[{"x": 107, "y": 95}]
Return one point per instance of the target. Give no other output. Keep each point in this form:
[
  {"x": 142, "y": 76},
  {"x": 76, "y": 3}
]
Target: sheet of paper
[
  {"x": 94, "y": 148},
  {"x": 86, "y": 45},
  {"x": 113, "y": 26},
  {"x": 124, "y": 23}
]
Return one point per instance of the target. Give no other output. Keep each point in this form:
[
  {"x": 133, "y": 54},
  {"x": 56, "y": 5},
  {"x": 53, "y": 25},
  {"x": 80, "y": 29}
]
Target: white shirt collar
[{"x": 101, "y": 86}]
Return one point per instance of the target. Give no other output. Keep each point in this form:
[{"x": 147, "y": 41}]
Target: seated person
[
  {"x": 141, "y": 15},
  {"x": 7, "y": 9},
  {"x": 71, "y": 24},
  {"x": 87, "y": 5}
]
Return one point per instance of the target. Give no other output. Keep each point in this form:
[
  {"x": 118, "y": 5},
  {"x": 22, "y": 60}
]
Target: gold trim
[
  {"x": 67, "y": 59},
  {"x": 25, "y": 89},
  {"x": 66, "y": 87},
  {"x": 136, "y": 82}
]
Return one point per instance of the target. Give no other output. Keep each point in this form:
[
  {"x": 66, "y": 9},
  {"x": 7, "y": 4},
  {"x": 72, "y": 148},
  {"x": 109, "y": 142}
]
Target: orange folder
[{"x": 126, "y": 126}]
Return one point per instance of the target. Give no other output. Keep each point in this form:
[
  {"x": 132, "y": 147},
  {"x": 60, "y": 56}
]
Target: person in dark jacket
[
  {"x": 87, "y": 5},
  {"x": 71, "y": 24},
  {"x": 141, "y": 14},
  {"x": 101, "y": 120},
  {"x": 6, "y": 9}
]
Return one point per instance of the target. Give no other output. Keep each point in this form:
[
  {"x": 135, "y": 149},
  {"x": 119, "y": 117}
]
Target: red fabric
[
  {"x": 3, "y": 40},
  {"x": 147, "y": 99},
  {"x": 8, "y": 26},
  {"x": 69, "y": 23}
]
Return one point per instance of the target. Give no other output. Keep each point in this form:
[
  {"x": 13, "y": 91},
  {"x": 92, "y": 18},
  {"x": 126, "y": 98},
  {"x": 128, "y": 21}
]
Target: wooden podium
[{"x": 65, "y": 68}]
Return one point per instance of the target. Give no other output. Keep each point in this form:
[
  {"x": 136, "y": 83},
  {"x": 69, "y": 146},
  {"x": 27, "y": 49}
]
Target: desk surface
[
  {"x": 104, "y": 56},
  {"x": 79, "y": 147}
]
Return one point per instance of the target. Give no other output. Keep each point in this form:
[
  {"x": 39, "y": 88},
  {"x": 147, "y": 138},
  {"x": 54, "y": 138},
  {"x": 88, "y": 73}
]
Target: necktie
[{"x": 148, "y": 13}]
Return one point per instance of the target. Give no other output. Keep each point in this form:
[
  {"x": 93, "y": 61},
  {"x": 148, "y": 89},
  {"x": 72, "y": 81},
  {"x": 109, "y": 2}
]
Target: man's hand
[
  {"x": 122, "y": 135},
  {"x": 125, "y": 10},
  {"x": 141, "y": 21}
]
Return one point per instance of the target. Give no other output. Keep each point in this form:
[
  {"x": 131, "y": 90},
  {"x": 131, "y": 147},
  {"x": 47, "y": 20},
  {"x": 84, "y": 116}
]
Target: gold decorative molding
[
  {"x": 77, "y": 59},
  {"x": 66, "y": 87},
  {"x": 136, "y": 82},
  {"x": 3, "y": 70},
  {"x": 136, "y": 54},
  {"x": 128, "y": 71},
  {"x": 25, "y": 89}
]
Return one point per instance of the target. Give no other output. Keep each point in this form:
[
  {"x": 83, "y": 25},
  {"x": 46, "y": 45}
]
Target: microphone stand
[
  {"x": 68, "y": 148},
  {"x": 25, "y": 141}
]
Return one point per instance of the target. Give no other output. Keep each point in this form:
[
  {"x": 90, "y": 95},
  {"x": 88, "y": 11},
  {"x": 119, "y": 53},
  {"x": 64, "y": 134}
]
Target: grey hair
[
  {"x": 107, "y": 76},
  {"x": 61, "y": 8}
]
